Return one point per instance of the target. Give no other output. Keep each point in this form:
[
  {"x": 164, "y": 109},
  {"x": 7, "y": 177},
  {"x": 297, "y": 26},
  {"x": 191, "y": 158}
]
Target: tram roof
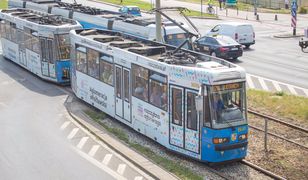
[
  {"x": 154, "y": 50},
  {"x": 142, "y": 21},
  {"x": 38, "y": 17}
]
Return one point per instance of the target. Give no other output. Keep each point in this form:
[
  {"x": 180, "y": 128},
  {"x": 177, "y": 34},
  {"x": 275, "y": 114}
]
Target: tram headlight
[
  {"x": 242, "y": 137},
  {"x": 220, "y": 140},
  {"x": 65, "y": 73}
]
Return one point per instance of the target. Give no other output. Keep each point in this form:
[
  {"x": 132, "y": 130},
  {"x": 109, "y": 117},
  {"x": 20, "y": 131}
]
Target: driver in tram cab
[{"x": 218, "y": 106}]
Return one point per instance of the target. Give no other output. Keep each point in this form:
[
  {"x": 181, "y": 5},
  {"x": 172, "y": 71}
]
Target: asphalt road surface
[{"x": 32, "y": 147}]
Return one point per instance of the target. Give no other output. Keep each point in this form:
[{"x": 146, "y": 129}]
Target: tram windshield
[
  {"x": 228, "y": 106},
  {"x": 63, "y": 46},
  {"x": 177, "y": 39}
]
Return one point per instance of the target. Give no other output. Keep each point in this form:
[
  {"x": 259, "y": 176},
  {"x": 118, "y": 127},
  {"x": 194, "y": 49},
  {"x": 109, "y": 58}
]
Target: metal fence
[{"x": 274, "y": 4}]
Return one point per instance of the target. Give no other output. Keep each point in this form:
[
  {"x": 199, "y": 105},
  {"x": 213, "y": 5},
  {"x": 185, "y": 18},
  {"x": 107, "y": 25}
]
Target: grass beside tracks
[
  {"x": 3, "y": 4},
  {"x": 147, "y": 7},
  {"x": 280, "y": 104},
  {"x": 172, "y": 166},
  {"x": 245, "y": 7}
]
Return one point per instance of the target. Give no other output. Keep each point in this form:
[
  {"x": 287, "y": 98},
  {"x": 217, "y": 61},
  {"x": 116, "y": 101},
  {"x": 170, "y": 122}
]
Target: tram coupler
[{"x": 303, "y": 43}]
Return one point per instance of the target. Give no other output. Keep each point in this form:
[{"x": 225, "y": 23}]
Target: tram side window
[
  {"x": 2, "y": 28},
  {"x": 191, "y": 111},
  {"x": 28, "y": 37},
  {"x": 7, "y": 30},
  {"x": 20, "y": 38},
  {"x": 31, "y": 40},
  {"x": 177, "y": 97},
  {"x": 50, "y": 51},
  {"x": 93, "y": 63},
  {"x": 63, "y": 44},
  {"x": 35, "y": 44},
  {"x": 206, "y": 112},
  {"x": 140, "y": 82},
  {"x": 158, "y": 90},
  {"x": 106, "y": 70},
  {"x": 13, "y": 32},
  {"x": 81, "y": 59}
]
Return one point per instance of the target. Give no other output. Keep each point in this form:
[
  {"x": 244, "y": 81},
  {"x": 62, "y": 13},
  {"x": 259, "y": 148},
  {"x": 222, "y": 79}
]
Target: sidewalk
[
  {"x": 244, "y": 15},
  {"x": 76, "y": 110}
]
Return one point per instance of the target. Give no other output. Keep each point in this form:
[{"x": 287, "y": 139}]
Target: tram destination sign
[{"x": 227, "y": 87}]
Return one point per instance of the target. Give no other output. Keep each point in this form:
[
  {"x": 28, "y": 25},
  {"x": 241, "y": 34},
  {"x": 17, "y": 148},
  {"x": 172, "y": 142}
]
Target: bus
[
  {"x": 188, "y": 102},
  {"x": 90, "y": 17},
  {"x": 38, "y": 42}
]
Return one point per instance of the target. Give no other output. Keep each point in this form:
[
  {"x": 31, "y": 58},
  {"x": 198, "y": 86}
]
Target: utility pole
[
  {"x": 201, "y": 8},
  {"x": 158, "y": 22},
  {"x": 255, "y": 7}
]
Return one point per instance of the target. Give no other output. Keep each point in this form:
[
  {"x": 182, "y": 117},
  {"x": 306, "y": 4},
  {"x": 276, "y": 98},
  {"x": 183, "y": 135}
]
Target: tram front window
[
  {"x": 228, "y": 105},
  {"x": 63, "y": 46},
  {"x": 177, "y": 39}
]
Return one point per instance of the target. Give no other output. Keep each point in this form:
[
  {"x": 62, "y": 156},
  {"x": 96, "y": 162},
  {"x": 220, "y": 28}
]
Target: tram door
[
  {"x": 192, "y": 126},
  {"x": 184, "y": 121},
  {"x": 44, "y": 56},
  {"x": 47, "y": 57},
  {"x": 122, "y": 88},
  {"x": 177, "y": 116}
]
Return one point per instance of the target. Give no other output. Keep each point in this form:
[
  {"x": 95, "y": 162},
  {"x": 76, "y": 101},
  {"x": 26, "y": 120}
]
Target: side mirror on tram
[{"x": 199, "y": 103}]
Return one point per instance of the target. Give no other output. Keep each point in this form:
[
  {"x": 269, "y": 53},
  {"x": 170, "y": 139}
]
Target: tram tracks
[
  {"x": 260, "y": 169},
  {"x": 287, "y": 134}
]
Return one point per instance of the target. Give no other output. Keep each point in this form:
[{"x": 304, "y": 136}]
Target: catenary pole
[{"x": 158, "y": 22}]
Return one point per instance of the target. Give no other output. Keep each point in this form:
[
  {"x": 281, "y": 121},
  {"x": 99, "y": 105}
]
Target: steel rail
[
  {"x": 280, "y": 137},
  {"x": 278, "y": 121},
  {"x": 264, "y": 171}
]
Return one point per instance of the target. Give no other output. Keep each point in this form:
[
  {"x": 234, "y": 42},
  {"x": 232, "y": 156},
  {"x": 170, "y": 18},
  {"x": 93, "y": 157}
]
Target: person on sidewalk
[
  {"x": 286, "y": 3},
  {"x": 220, "y": 2}
]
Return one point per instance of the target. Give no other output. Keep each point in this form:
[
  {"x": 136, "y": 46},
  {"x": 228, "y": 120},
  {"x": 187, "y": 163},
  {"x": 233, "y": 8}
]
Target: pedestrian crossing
[
  {"x": 99, "y": 153},
  {"x": 261, "y": 83}
]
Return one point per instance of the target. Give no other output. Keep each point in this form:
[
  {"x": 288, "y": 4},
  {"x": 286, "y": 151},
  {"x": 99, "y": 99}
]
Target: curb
[
  {"x": 107, "y": 139},
  {"x": 287, "y": 36},
  {"x": 202, "y": 17}
]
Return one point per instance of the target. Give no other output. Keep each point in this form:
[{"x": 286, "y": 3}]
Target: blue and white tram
[
  {"x": 190, "y": 103},
  {"x": 37, "y": 41}
]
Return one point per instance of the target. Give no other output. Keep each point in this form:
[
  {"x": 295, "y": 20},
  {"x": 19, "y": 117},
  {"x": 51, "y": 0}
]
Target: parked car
[
  {"x": 220, "y": 46},
  {"x": 243, "y": 33},
  {"x": 132, "y": 10}
]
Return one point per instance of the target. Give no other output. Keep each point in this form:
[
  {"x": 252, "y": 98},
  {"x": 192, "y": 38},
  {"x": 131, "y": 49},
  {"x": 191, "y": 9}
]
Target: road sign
[
  {"x": 293, "y": 13},
  {"x": 293, "y": 8}
]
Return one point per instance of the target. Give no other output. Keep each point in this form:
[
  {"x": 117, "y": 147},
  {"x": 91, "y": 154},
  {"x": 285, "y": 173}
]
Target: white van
[{"x": 243, "y": 33}]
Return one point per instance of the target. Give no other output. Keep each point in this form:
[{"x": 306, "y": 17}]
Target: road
[
  {"x": 32, "y": 147},
  {"x": 280, "y": 59},
  {"x": 273, "y": 58}
]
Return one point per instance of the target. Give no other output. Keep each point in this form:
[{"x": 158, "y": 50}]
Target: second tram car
[
  {"x": 188, "y": 102},
  {"x": 90, "y": 17},
  {"x": 37, "y": 41}
]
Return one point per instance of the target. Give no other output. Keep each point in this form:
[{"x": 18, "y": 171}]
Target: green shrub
[{"x": 303, "y": 10}]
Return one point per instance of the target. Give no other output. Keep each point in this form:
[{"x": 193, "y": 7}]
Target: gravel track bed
[
  {"x": 280, "y": 129},
  {"x": 283, "y": 158},
  {"x": 233, "y": 170}
]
